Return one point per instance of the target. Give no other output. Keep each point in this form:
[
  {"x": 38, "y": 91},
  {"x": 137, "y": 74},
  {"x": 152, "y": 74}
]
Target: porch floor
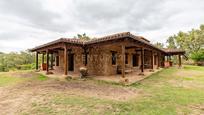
[{"x": 132, "y": 77}]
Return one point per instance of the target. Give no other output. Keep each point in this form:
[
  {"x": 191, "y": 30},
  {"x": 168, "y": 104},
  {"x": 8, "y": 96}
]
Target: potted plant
[{"x": 83, "y": 72}]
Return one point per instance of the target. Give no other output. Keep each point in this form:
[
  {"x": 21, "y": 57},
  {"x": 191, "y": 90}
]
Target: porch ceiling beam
[
  {"x": 51, "y": 47},
  {"x": 57, "y": 46}
]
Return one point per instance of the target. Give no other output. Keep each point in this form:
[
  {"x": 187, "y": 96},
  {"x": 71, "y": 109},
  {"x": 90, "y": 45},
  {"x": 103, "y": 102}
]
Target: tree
[
  {"x": 198, "y": 57},
  {"x": 171, "y": 42},
  {"x": 159, "y": 45},
  {"x": 192, "y": 42},
  {"x": 14, "y": 60},
  {"x": 82, "y": 37}
]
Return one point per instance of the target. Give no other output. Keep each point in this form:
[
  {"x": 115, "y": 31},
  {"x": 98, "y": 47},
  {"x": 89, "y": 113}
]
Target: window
[
  {"x": 57, "y": 60},
  {"x": 126, "y": 58},
  {"x": 85, "y": 59},
  {"x": 114, "y": 58},
  {"x": 135, "y": 60}
]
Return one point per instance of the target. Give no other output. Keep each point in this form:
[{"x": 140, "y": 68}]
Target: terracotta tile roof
[
  {"x": 173, "y": 50},
  {"x": 72, "y": 40},
  {"x": 105, "y": 38},
  {"x": 109, "y": 37}
]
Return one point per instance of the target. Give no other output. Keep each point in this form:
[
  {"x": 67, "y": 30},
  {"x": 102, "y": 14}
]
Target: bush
[
  {"x": 198, "y": 57},
  {"x": 25, "y": 67}
]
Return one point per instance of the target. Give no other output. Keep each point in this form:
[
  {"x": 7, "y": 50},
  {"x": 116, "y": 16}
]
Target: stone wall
[
  {"x": 99, "y": 60},
  {"x": 78, "y": 62}
]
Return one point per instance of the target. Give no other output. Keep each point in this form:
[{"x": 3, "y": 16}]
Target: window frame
[{"x": 114, "y": 57}]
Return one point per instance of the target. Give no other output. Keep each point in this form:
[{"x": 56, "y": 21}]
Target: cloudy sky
[{"x": 28, "y": 23}]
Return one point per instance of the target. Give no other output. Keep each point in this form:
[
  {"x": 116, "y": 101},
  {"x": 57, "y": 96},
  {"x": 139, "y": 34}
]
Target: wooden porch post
[
  {"x": 158, "y": 65},
  {"x": 163, "y": 60},
  {"x": 123, "y": 61},
  {"x": 47, "y": 62},
  {"x": 37, "y": 60},
  {"x": 142, "y": 61},
  {"x": 179, "y": 60},
  {"x": 152, "y": 61},
  {"x": 51, "y": 61},
  {"x": 65, "y": 60}
]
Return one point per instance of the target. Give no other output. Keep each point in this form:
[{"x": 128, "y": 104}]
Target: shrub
[
  {"x": 198, "y": 57},
  {"x": 25, "y": 67}
]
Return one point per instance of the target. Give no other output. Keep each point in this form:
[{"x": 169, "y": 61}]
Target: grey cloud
[
  {"x": 138, "y": 15},
  {"x": 33, "y": 12},
  {"x": 32, "y": 19}
]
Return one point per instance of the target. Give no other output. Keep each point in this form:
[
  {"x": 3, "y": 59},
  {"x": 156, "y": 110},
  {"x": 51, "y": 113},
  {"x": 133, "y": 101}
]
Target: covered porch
[
  {"x": 132, "y": 77},
  {"x": 179, "y": 54},
  {"x": 110, "y": 59}
]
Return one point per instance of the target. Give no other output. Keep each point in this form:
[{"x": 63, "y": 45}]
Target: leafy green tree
[
  {"x": 192, "y": 42},
  {"x": 171, "y": 42},
  {"x": 14, "y": 60},
  {"x": 159, "y": 45},
  {"x": 83, "y": 37},
  {"x": 198, "y": 56}
]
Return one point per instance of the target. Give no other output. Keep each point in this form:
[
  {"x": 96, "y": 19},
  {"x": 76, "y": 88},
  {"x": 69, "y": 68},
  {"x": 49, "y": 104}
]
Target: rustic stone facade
[
  {"x": 99, "y": 60},
  {"x": 109, "y": 55}
]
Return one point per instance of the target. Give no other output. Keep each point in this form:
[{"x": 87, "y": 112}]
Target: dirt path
[{"x": 17, "y": 98}]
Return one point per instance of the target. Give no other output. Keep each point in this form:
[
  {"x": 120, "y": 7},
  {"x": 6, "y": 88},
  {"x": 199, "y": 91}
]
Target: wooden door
[
  {"x": 71, "y": 62},
  {"x": 135, "y": 60}
]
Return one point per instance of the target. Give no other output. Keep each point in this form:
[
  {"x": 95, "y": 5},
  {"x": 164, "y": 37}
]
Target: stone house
[{"x": 119, "y": 53}]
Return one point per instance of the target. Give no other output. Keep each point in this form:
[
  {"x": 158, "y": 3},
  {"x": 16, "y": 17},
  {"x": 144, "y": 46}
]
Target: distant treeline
[
  {"x": 17, "y": 61},
  {"x": 192, "y": 42}
]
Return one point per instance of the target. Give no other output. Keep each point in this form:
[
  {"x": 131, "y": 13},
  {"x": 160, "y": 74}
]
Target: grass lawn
[{"x": 168, "y": 92}]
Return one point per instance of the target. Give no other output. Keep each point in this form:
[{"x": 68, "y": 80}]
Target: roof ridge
[{"x": 100, "y": 39}]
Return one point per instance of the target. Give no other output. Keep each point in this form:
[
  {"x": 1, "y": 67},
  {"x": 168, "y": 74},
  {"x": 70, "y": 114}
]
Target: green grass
[
  {"x": 74, "y": 105},
  {"x": 191, "y": 67},
  {"x": 164, "y": 93},
  {"x": 8, "y": 78},
  {"x": 42, "y": 77},
  {"x": 161, "y": 97}
]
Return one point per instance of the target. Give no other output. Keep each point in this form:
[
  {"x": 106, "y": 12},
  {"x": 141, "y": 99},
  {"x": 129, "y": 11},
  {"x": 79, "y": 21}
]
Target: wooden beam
[
  {"x": 179, "y": 60},
  {"x": 37, "y": 60},
  {"x": 142, "y": 61},
  {"x": 158, "y": 58},
  {"x": 123, "y": 61},
  {"x": 51, "y": 61},
  {"x": 65, "y": 61},
  {"x": 57, "y": 46},
  {"x": 47, "y": 63},
  {"x": 152, "y": 60}
]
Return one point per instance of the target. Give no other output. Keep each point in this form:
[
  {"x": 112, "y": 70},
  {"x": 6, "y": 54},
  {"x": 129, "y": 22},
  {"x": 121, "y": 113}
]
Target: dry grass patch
[
  {"x": 188, "y": 79},
  {"x": 22, "y": 97}
]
